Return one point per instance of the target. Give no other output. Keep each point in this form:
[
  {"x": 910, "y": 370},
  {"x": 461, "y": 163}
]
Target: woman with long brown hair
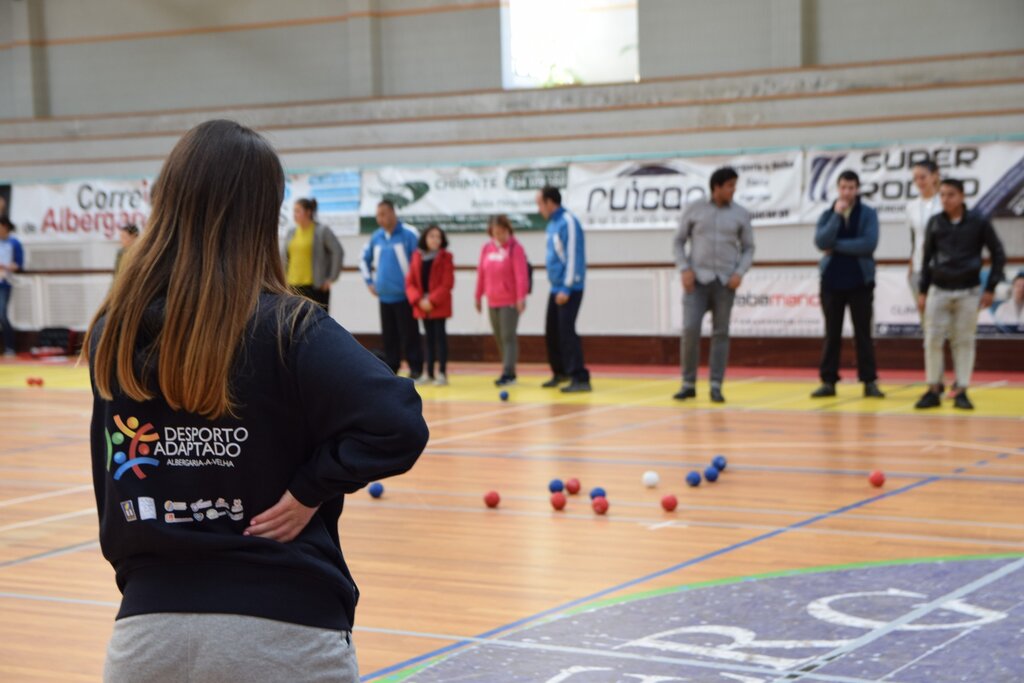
[{"x": 230, "y": 417}]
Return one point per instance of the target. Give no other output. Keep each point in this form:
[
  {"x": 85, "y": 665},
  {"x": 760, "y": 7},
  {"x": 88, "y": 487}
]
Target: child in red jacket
[{"x": 429, "y": 289}]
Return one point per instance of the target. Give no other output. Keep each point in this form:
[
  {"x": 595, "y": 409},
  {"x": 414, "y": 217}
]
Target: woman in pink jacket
[{"x": 503, "y": 278}]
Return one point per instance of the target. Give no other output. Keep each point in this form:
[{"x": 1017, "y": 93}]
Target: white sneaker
[
  {"x": 10, "y": 353},
  {"x": 441, "y": 381},
  {"x": 423, "y": 379}
]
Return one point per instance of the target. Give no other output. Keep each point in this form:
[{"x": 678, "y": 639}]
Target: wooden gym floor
[{"x": 790, "y": 567}]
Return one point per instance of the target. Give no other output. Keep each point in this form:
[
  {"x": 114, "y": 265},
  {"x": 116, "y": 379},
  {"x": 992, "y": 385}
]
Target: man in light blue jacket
[
  {"x": 566, "y": 264},
  {"x": 384, "y": 265}
]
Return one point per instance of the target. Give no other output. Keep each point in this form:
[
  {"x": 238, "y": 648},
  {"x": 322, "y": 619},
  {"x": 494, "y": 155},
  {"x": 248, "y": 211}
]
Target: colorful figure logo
[{"x": 138, "y": 446}]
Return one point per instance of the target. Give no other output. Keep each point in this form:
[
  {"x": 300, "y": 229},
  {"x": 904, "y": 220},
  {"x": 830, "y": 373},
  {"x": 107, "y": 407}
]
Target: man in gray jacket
[{"x": 721, "y": 251}]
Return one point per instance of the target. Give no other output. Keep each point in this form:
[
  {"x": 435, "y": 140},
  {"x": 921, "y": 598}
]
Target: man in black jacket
[{"x": 950, "y": 286}]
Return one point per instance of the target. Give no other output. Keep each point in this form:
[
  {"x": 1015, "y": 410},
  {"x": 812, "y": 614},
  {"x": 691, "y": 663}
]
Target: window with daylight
[{"x": 547, "y": 43}]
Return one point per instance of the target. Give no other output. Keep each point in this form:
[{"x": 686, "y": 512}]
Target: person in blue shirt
[
  {"x": 566, "y": 264},
  {"x": 384, "y": 265},
  {"x": 12, "y": 259}
]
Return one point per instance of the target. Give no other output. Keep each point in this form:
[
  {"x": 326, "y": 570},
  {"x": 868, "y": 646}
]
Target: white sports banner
[
  {"x": 459, "y": 198},
  {"x": 85, "y": 210},
  {"x": 785, "y": 302},
  {"x": 336, "y": 194},
  {"x": 620, "y": 195},
  {"x": 992, "y": 173}
]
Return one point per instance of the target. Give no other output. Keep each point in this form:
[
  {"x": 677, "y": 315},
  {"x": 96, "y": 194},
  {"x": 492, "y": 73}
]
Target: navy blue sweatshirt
[{"x": 175, "y": 491}]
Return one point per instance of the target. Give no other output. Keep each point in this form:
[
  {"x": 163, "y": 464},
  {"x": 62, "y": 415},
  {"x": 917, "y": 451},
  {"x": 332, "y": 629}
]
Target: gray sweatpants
[
  {"x": 224, "y": 648},
  {"x": 504, "y": 321},
  {"x": 717, "y": 298},
  {"x": 952, "y": 314}
]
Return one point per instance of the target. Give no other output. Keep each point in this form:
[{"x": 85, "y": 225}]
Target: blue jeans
[
  {"x": 5, "y": 322},
  {"x": 717, "y": 298}
]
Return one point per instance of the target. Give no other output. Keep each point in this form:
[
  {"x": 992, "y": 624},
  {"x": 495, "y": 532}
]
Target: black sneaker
[
  {"x": 716, "y": 395},
  {"x": 930, "y": 399},
  {"x": 576, "y": 387},
  {"x": 871, "y": 390},
  {"x": 962, "y": 402},
  {"x": 505, "y": 380},
  {"x": 555, "y": 381},
  {"x": 826, "y": 390},
  {"x": 685, "y": 393}
]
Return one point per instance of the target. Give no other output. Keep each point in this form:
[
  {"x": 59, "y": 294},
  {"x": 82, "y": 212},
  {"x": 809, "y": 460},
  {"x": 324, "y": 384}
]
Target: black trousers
[
  {"x": 834, "y": 303},
  {"x": 565, "y": 348},
  {"x": 318, "y": 296},
  {"x": 401, "y": 334},
  {"x": 437, "y": 346}
]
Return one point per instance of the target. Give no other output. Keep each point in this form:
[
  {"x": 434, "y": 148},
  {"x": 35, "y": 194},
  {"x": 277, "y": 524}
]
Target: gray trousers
[
  {"x": 950, "y": 314},
  {"x": 504, "y": 321},
  {"x": 717, "y": 298},
  {"x": 225, "y": 648}
]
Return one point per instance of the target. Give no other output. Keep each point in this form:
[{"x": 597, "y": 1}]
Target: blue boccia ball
[
  {"x": 503, "y": 396},
  {"x": 693, "y": 478},
  {"x": 556, "y": 485},
  {"x": 376, "y": 489},
  {"x": 597, "y": 492},
  {"x": 711, "y": 474},
  {"x": 719, "y": 462}
]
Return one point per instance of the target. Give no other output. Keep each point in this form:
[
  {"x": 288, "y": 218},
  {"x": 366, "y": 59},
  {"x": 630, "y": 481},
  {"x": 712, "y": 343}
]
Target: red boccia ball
[
  {"x": 573, "y": 486},
  {"x": 600, "y": 505},
  {"x": 669, "y": 502},
  {"x": 558, "y": 500},
  {"x": 877, "y": 478},
  {"x": 491, "y": 498}
]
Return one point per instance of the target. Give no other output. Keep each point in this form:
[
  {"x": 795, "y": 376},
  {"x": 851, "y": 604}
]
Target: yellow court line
[{"x": 995, "y": 400}]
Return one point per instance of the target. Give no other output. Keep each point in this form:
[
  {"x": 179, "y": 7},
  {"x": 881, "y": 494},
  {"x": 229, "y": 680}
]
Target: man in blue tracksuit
[
  {"x": 384, "y": 265},
  {"x": 12, "y": 259},
  {"x": 566, "y": 264}
]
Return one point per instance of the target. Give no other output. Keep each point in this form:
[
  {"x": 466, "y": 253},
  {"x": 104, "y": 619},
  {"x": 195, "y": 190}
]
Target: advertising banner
[
  {"x": 85, "y": 210},
  {"x": 992, "y": 173},
  {"x": 459, "y": 199},
  {"x": 337, "y": 198},
  {"x": 785, "y": 302},
  {"x": 621, "y": 195}
]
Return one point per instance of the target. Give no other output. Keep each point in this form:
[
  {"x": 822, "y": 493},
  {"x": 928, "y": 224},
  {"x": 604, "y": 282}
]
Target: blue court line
[
  {"x": 643, "y": 579},
  {"x": 49, "y": 553},
  {"x": 896, "y": 474}
]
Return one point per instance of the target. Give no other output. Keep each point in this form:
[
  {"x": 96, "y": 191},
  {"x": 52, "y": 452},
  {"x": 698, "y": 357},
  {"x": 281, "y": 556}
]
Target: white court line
[
  {"x": 758, "y": 457},
  {"x": 823, "y": 444},
  {"x": 586, "y": 410},
  {"x": 512, "y": 644},
  {"x": 778, "y": 512},
  {"x": 685, "y": 523},
  {"x": 907, "y": 618},
  {"x": 42, "y": 496},
  {"x": 929, "y": 653},
  {"x": 47, "y": 520},
  {"x": 586, "y": 652},
  {"x": 87, "y": 545},
  {"x": 54, "y": 598},
  {"x": 480, "y": 416}
]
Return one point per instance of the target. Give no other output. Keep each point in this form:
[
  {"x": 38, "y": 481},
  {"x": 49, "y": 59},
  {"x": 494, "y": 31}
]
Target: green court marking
[
  {"x": 409, "y": 673},
  {"x": 776, "y": 575},
  {"x": 608, "y": 602}
]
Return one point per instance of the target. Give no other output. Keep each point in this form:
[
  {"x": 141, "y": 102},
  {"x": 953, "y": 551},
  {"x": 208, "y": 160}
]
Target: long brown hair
[{"x": 209, "y": 249}]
